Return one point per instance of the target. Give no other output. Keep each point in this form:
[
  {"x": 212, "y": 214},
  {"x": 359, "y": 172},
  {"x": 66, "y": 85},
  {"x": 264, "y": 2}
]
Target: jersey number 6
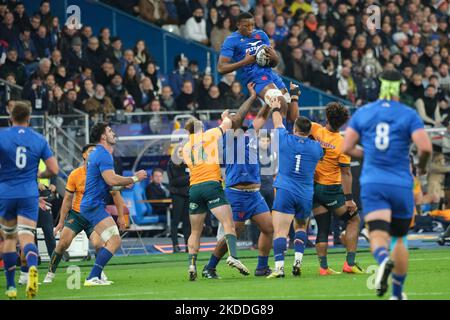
[{"x": 21, "y": 157}]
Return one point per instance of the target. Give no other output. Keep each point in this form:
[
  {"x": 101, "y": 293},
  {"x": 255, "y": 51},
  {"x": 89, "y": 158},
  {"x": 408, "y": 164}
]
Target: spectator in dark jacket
[
  {"x": 178, "y": 174},
  {"x": 21, "y": 19},
  {"x": 186, "y": 100},
  {"x": 156, "y": 190},
  {"x": 116, "y": 91},
  {"x": 75, "y": 57},
  {"x": 42, "y": 42},
  {"x": 93, "y": 55},
  {"x": 235, "y": 98},
  {"x": 12, "y": 65}
]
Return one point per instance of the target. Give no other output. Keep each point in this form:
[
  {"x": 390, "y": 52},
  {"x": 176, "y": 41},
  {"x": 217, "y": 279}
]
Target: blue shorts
[
  {"x": 290, "y": 203},
  {"x": 28, "y": 208},
  {"x": 261, "y": 81},
  {"x": 377, "y": 196},
  {"x": 94, "y": 215},
  {"x": 245, "y": 205}
]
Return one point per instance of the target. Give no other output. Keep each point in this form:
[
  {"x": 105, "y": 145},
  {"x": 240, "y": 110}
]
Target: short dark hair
[
  {"x": 86, "y": 147},
  {"x": 157, "y": 170},
  {"x": 21, "y": 112},
  {"x": 303, "y": 125},
  {"x": 97, "y": 130},
  {"x": 244, "y": 16},
  {"x": 337, "y": 115}
]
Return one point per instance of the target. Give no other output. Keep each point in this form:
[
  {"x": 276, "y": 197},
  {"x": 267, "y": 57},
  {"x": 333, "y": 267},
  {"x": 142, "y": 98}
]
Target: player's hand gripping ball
[{"x": 262, "y": 57}]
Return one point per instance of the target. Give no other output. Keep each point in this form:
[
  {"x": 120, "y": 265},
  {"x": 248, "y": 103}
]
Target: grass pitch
[{"x": 165, "y": 277}]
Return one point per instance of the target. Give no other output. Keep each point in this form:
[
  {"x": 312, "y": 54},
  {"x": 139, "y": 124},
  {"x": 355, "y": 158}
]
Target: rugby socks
[
  {"x": 213, "y": 262},
  {"x": 231, "y": 244},
  {"x": 380, "y": 254},
  {"x": 54, "y": 261},
  {"x": 192, "y": 259},
  {"x": 263, "y": 262},
  {"x": 323, "y": 262},
  {"x": 299, "y": 244},
  {"x": 397, "y": 285},
  {"x": 351, "y": 258},
  {"x": 102, "y": 259},
  {"x": 10, "y": 260},
  {"x": 24, "y": 269},
  {"x": 279, "y": 246},
  {"x": 31, "y": 254}
]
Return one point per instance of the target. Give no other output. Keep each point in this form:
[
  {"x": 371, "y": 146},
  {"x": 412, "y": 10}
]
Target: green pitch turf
[{"x": 165, "y": 277}]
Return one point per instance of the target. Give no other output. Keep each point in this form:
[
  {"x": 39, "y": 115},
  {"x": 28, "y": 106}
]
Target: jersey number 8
[
  {"x": 382, "y": 138},
  {"x": 21, "y": 157}
]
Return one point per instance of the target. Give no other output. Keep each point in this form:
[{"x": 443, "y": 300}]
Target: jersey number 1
[
  {"x": 382, "y": 137},
  {"x": 298, "y": 157},
  {"x": 21, "y": 157}
]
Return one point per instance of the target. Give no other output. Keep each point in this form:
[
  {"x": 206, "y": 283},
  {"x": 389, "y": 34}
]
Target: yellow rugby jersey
[
  {"x": 201, "y": 155},
  {"x": 328, "y": 171},
  {"x": 76, "y": 184}
]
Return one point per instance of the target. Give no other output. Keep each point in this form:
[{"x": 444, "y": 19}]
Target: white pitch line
[{"x": 118, "y": 295}]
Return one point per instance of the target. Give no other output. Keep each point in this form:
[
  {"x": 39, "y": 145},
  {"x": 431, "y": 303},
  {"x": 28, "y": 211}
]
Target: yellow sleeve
[
  {"x": 315, "y": 127},
  {"x": 214, "y": 132},
  {"x": 71, "y": 185},
  {"x": 344, "y": 160}
]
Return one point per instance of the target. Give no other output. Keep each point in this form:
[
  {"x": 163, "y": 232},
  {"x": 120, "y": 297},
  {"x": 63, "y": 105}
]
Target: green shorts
[
  {"x": 77, "y": 223},
  {"x": 206, "y": 195},
  {"x": 329, "y": 196}
]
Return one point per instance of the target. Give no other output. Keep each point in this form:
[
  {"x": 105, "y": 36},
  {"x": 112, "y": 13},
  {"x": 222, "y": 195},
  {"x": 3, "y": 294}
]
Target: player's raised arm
[
  {"x": 425, "y": 148},
  {"x": 350, "y": 144},
  {"x": 293, "y": 111},
  {"x": 226, "y": 121},
  {"x": 276, "y": 114},
  {"x": 113, "y": 179},
  {"x": 240, "y": 115},
  {"x": 225, "y": 65}
]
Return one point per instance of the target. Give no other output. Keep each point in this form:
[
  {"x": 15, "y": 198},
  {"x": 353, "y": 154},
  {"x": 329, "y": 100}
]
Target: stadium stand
[{"x": 74, "y": 78}]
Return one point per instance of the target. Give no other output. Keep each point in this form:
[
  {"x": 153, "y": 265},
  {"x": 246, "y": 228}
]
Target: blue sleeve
[
  {"x": 265, "y": 38},
  {"x": 227, "y": 49},
  {"x": 415, "y": 122},
  {"x": 354, "y": 122},
  {"x": 46, "y": 152},
  {"x": 105, "y": 162}
]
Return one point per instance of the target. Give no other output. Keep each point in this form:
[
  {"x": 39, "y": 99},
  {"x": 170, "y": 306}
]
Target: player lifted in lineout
[
  {"x": 333, "y": 189},
  {"x": 201, "y": 155},
  {"x": 100, "y": 177},
  {"x": 21, "y": 149},
  {"x": 242, "y": 184},
  {"x": 239, "y": 52},
  {"x": 385, "y": 129},
  {"x": 298, "y": 158},
  {"x": 71, "y": 222}
]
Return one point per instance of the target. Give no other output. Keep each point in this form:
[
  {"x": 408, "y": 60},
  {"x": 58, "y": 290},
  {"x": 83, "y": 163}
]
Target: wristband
[
  {"x": 348, "y": 197},
  {"x": 295, "y": 91},
  {"x": 276, "y": 110},
  {"x": 295, "y": 98},
  {"x": 135, "y": 179}
]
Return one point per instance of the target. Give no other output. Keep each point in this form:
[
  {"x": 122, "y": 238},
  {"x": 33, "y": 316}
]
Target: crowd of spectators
[
  {"x": 62, "y": 69},
  {"x": 326, "y": 44},
  {"x": 330, "y": 44}
]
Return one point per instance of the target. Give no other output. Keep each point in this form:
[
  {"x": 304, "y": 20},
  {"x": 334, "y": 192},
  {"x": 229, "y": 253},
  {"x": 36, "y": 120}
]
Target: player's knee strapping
[
  {"x": 348, "y": 215},
  {"x": 23, "y": 229},
  {"x": 400, "y": 227},
  {"x": 323, "y": 226},
  {"x": 379, "y": 225},
  {"x": 271, "y": 95},
  {"x": 8, "y": 231},
  {"x": 110, "y": 232}
]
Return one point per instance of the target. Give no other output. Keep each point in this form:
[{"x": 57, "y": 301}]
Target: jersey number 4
[
  {"x": 21, "y": 157},
  {"x": 382, "y": 136}
]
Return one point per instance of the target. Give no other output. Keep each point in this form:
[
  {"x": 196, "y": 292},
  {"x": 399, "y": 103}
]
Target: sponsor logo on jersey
[
  {"x": 332, "y": 203},
  {"x": 213, "y": 201},
  {"x": 193, "y": 206}
]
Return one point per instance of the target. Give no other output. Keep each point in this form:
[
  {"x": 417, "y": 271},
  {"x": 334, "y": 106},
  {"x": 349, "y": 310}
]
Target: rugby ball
[{"x": 261, "y": 58}]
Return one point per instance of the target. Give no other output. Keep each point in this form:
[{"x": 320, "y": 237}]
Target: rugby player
[
  {"x": 333, "y": 190},
  {"x": 21, "y": 149},
  {"x": 238, "y": 52},
  {"x": 100, "y": 177},
  {"x": 298, "y": 158},
  {"x": 385, "y": 129},
  {"x": 201, "y": 155},
  {"x": 71, "y": 223},
  {"x": 242, "y": 182}
]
